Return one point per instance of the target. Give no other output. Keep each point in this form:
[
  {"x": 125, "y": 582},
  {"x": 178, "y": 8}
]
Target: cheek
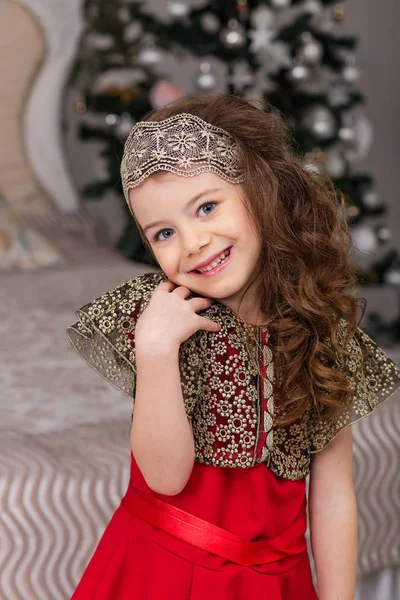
[
  {"x": 242, "y": 224},
  {"x": 166, "y": 258},
  {"x": 250, "y": 237}
]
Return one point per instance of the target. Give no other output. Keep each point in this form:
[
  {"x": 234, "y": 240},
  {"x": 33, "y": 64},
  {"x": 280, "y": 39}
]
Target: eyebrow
[{"x": 191, "y": 201}]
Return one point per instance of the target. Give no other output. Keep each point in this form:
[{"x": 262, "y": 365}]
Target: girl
[{"x": 245, "y": 362}]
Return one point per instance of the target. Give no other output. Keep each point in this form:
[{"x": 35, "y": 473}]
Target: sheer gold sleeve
[
  {"x": 104, "y": 336},
  {"x": 372, "y": 380}
]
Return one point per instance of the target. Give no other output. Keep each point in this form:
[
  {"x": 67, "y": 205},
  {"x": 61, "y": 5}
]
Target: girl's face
[{"x": 192, "y": 221}]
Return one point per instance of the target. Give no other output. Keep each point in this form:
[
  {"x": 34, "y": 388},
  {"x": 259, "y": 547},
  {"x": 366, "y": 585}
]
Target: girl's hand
[{"x": 169, "y": 318}]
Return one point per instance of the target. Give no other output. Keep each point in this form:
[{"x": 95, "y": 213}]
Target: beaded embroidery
[{"x": 229, "y": 400}]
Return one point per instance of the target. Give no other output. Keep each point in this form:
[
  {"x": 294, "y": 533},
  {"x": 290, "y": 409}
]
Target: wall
[
  {"x": 376, "y": 24},
  {"x": 18, "y": 68}
]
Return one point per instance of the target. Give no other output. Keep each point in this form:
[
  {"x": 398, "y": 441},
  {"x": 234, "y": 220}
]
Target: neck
[{"x": 246, "y": 306}]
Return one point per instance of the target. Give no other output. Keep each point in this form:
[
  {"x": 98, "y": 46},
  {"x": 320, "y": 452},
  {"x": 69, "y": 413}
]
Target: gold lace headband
[{"x": 183, "y": 144}]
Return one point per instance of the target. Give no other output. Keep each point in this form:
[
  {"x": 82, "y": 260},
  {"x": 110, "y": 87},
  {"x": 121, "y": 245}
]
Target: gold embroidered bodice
[{"x": 228, "y": 397}]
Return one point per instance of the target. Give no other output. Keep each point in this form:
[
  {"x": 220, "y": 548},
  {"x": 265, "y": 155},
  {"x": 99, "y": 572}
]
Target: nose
[{"x": 193, "y": 241}]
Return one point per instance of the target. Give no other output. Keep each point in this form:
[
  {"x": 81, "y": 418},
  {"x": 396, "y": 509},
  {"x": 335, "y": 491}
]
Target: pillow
[
  {"x": 22, "y": 247},
  {"x": 78, "y": 236}
]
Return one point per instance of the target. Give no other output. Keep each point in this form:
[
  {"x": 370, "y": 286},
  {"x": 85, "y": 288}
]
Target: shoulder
[
  {"x": 139, "y": 287},
  {"x": 124, "y": 297}
]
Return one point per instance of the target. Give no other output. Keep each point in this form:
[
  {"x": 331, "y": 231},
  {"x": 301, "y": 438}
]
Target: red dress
[
  {"x": 136, "y": 561},
  {"x": 240, "y": 537}
]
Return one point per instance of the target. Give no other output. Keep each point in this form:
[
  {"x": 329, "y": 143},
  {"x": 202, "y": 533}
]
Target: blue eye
[
  {"x": 156, "y": 237},
  {"x": 208, "y": 204}
]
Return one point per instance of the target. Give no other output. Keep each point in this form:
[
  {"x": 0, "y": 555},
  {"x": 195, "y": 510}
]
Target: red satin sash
[{"x": 212, "y": 538}]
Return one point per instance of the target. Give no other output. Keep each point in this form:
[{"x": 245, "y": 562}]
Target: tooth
[
  {"x": 207, "y": 269},
  {"x": 215, "y": 263},
  {"x": 210, "y": 268}
]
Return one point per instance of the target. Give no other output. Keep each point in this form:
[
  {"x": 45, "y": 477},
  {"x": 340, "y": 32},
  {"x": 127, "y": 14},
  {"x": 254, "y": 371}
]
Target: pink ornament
[{"x": 163, "y": 93}]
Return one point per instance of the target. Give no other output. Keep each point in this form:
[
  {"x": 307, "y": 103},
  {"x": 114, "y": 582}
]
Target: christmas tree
[{"x": 292, "y": 53}]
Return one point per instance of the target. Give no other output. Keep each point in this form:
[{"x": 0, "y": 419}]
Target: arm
[
  {"x": 333, "y": 519},
  {"x": 161, "y": 434}
]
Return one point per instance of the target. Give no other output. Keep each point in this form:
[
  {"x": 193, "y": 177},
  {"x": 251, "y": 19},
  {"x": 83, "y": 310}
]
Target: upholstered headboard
[{"x": 40, "y": 47}]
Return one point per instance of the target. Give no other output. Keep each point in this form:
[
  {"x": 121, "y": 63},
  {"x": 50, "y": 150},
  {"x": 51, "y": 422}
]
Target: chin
[{"x": 220, "y": 290}]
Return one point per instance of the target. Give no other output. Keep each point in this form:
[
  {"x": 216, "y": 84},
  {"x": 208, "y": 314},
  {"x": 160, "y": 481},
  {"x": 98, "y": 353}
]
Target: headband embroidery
[{"x": 184, "y": 144}]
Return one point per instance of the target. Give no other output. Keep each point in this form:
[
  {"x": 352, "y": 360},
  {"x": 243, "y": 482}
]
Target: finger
[
  {"x": 200, "y": 303},
  {"x": 167, "y": 285},
  {"x": 182, "y": 291},
  {"x": 209, "y": 325}
]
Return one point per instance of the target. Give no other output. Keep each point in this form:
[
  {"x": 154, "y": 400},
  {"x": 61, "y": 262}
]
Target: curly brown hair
[{"x": 306, "y": 284}]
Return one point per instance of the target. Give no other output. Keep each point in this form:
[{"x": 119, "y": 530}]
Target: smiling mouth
[{"x": 216, "y": 265}]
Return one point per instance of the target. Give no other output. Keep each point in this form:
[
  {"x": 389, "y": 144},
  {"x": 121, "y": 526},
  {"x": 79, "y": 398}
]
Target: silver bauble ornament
[
  {"x": 352, "y": 211},
  {"x": 371, "y": 200},
  {"x": 111, "y": 119},
  {"x": 206, "y": 80},
  {"x": 149, "y": 55},
  {"x": 312, "y": 7},
  {"x": 320, "y": 22},
  {"x": 363, "y": 137},
  {"x": 350, "y": 72},
  {"x": 320, "y": 122},
  {"x": 99, "y": 41},
  {"x": 280, "y": 4},
  {"x": 262, "y": 17},
  {"x": 261, "y": 40},
  {"x": 347, "y": 135},
  {"x": 121, "y": 78},
  {"x": 299, "y": 73},
  {"x": 383, "y": 234},
  {"x": 364, "y": 238},
  {"x": 133, "y": 31},
  {"x": 310, "y": 51},
  {"x": 234, "y": 35},
  {"x": 392, "y": 277},
  {"x": 210, "y": 22},
  {"x": 335, "y": 164},
  {"x": 178, "y": 9}
]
